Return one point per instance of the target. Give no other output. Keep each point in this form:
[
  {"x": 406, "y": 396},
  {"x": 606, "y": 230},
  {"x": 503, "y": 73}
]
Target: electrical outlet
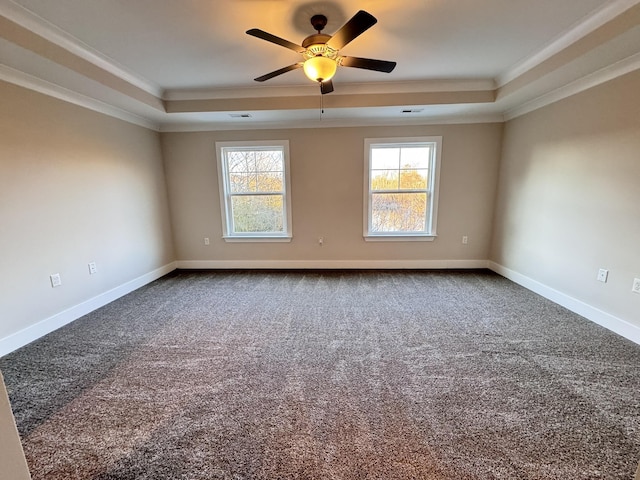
[
  {"x": 465, "y": 240},
  {"x": 603, "y": 274},
  {"x": 206, "y": 240},
  {"x": 56, "y": 281},
  {"x": 93, "y": 268},
  {"x": 636, "y": 285}
]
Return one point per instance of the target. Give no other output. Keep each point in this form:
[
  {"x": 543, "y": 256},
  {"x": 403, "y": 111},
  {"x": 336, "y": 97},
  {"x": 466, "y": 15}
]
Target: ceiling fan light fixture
[
  {"x": 320, "y": 51},
  {"x": 320, "y": 69}
]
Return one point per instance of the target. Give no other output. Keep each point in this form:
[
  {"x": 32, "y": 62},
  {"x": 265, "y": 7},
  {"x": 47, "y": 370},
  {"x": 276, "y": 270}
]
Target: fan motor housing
[{"x": 318, "y": 38}]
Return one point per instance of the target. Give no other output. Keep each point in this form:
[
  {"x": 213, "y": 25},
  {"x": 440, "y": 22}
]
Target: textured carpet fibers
[{"x": 329, "y": 375}]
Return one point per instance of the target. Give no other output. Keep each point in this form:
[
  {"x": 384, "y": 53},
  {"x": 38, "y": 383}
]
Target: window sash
[
  {"x": 423, "y": 219},
  {"x": 256, "y": 194},
  {"x": 273, "y": 216}
]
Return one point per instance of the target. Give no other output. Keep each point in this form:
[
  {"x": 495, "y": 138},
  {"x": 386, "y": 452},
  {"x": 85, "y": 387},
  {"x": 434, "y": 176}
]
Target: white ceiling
[{"x": 188, "y": 64}]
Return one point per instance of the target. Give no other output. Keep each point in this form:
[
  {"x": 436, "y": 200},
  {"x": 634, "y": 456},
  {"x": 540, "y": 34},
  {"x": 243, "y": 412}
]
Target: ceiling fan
[{"x": 320, "y": 51}]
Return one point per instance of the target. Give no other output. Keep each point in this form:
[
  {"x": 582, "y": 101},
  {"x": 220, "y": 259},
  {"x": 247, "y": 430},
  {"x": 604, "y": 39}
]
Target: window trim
[
  {"x": 434, "y": 178},
  {"x": 225, "y": 193}
]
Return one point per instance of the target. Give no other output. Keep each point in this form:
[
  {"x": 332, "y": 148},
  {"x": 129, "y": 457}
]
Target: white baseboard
[
  {"x": 608, "y": 321},
  {"x": 48, "y": 325},
  {"x": 331, "y": 264},
  {"x": 33, "y": 332}
]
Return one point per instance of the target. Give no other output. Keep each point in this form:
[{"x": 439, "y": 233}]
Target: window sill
[
  {"x": 399, "y": 238},
  {"x": 257, "y": 239}
]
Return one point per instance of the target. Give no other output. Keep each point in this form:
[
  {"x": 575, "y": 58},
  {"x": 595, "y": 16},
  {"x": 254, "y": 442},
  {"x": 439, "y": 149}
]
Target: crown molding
[
  {"x": 50, "y": 32},
  {"x": 590, "y": 23},
  {"x": 36, "y": 84},
  {"x": 332, "y": 123},
  {"x": 266, "y": 91},
  {"x": 335, "y": 100},
  {"x": 594, "y": 79}
]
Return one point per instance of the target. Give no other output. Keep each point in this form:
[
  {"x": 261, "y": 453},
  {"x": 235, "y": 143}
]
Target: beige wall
[
  {"x": 12, "y": 461},
  {"x": 327, "y": 171},
  {"x": 75, "y": 187},
  {"x": 569, "y": 197}
]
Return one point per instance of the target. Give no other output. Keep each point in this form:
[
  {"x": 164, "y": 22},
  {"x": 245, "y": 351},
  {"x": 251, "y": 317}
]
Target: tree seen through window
[
  {"x": 254, "y": 183},
  {"x": 399, "y": 184}
]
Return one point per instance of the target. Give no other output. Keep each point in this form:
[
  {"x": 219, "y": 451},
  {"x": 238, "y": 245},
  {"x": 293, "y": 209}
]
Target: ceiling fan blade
[
  {"x": 358, "y": 24},
  {"x": 326, "y": 87},
  {"x": 256, "y": 32},
  {"x": 278, "y": 72},
  {"x": 368, "y": 64}
]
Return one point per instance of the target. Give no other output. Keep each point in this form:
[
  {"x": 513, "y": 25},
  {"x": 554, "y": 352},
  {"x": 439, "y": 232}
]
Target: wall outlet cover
[{"x": 603, "y": 274}]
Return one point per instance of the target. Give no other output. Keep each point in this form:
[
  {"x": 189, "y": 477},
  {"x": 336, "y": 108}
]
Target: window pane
[
  {"x": 384, "y": 180},
  {"x": 269, "y": 161},
  {"x": 257, "y": 214},
  {"x": 269, "y": 182},
  {"x": 414, "y": 179},
  {"x": 240, "y": 161},
  {"x": 385, "y": 158},
  {"x": 398, "y": 212},
  {"x": 240, "y": 182},
  {"x": 415, "y": 157},
  {"x": 256, "y": 171}
]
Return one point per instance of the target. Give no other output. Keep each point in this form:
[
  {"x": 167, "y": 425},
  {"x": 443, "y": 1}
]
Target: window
[
  {"x": 401, "y": 188},
  {"x": 254, "y": 190}
]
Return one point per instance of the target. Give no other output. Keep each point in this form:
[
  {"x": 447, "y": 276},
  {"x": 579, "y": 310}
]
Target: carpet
[{"x": 328, "y": 375}]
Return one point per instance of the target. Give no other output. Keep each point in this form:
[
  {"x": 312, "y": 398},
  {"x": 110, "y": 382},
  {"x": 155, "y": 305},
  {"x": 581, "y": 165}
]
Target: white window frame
[
  {"x": 429, "y": 234},
  {"x": 225, "y": 193}
]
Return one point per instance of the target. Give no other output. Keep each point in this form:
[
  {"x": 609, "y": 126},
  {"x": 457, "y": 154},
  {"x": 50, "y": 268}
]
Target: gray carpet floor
[{"x": 328, "y": 375}]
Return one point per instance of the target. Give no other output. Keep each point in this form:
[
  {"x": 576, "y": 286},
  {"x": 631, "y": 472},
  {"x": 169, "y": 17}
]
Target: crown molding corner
[
  {"x": 594, "y": 79},
  {"x": 21, "y": 79},
  {"x": 578, "y": 31},
  {"x": 57, "y": 36}
]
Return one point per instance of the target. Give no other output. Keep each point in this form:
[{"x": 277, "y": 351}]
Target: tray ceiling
[{"x": 189, "y": 65}]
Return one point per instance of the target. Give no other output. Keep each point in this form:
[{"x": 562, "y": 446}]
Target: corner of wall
[{"x": 12, "y": 459}]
